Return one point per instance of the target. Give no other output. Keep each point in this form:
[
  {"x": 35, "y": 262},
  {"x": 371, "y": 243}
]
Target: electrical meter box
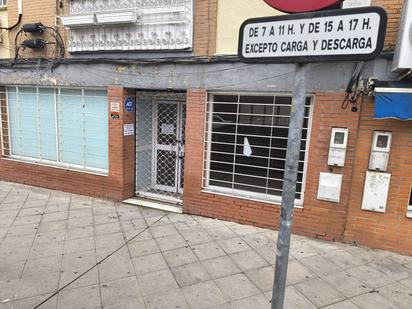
[
  {"x": 381, "y": 147},
  {"x": 330, "y": 186},
  {"x": 337, "y": 147},
  {"x": 375, "y": 194},
  {"x": 402, "y": 59}
]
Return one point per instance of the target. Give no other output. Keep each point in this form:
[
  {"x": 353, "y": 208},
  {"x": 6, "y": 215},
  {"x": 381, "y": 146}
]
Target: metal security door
[{"x": 168, "y": 146}]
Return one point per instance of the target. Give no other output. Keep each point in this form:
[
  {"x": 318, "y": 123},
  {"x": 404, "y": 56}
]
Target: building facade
[{"x": 148, "y": 100}]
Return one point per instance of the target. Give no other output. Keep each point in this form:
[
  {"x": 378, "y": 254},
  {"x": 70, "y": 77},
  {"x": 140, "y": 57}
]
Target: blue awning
[{"x": 393, "y": 103}]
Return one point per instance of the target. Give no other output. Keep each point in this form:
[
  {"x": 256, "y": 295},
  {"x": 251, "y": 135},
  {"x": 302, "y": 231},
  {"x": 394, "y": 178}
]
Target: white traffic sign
[{"x": 352, "y": 34}]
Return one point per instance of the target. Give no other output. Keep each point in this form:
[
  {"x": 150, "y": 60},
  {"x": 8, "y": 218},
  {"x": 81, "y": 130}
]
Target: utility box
[
  {"x": 381, "y": 147},
  {"x": 403, "y": 52},
  {"x": 375, "y": 194},
  {"x": 337, "y": 147},
  {"x": 330, "y": 186}
]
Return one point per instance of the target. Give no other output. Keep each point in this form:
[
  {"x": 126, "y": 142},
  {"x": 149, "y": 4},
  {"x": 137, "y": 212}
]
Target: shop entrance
[{"x": 160, "y": 145}]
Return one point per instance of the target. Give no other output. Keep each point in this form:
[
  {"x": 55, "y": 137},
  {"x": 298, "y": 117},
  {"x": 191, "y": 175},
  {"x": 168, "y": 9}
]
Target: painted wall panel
[{"x": 230, "y": 16}]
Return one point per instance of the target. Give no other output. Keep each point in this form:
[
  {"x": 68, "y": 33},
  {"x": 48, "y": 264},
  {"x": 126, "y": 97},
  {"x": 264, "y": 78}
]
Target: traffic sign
[
  {"x": 299, "y": 6},
  {"x": 351, "y": 34}
]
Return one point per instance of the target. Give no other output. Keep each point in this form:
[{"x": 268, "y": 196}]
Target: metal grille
[
  {"x": 246, "y": 141},
  {"x": 160, "y": 122}
]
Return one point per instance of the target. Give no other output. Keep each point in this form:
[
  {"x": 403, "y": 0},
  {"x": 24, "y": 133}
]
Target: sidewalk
[{"x": 50, "y": 238}]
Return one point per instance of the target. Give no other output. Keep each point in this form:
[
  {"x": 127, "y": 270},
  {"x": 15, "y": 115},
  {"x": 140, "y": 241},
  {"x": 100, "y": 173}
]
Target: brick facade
[
  {"x": 117, "y": 185},
  {"x": 391, "y": 230},
  {"x": 325, "y": 220}
]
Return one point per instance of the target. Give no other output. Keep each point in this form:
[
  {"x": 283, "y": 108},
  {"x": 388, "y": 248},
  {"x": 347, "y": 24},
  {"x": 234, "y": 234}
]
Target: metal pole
[{"x": 289, "y": 185}]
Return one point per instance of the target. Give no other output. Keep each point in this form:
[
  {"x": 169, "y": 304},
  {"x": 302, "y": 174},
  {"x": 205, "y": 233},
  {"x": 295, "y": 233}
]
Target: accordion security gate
[{"x": 160, "y": 145}]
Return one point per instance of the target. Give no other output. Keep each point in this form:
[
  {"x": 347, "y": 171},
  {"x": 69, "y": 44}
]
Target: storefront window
[
  {"x": 246, "y": 145},
  {"x": 57, "y": 126}
]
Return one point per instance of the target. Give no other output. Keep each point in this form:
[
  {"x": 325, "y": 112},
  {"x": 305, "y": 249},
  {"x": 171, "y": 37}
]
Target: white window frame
[
  {"x": 45, "y": 162},
  {"x": 240, "y": 194},
  {"x": 3, "y": 3}
]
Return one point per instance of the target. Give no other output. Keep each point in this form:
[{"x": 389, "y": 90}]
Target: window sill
[
  {"x": 275, "y": 201},
  {"x": 3, "y": 8},
  {"x": 55, "y": 165}
]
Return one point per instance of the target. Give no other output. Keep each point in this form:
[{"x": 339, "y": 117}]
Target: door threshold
[{"x": 154, "y": 205}]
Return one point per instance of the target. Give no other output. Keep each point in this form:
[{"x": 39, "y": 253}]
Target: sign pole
[{"x": 289, "y": 185}]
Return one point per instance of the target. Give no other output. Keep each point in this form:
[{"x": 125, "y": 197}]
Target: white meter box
[
  {"x": 375, "y": 194},
  {"x": 330, "y": 186},
  {"x": 381, "y": 147},
  {"x": 337, "y": 147}
]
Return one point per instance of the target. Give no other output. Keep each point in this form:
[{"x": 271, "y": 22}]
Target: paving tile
[
  {"x": 392, "y": 269},
  {"x": 79, "y": 245},
  {"x": 157, "y": 282},
  {"x": 207, "y": 251},
  {"x": 79, "y": 222},
  {"x": 257, "y": 240},
  {"x": 17, "y": 241},
  {"x": 221, "y": 267},
  {"x": 269, "y": 253},
  {"x": 159, "y": 231},
  {"x": 179, "y": 257},
  {"x": 397, "y": 294},
  {"x": 171, "y": 242},
  {"x": 52, "y": 226},
  {"x": 77, "y": 278},
  {"x": 78, "y": 261},
  {"x": 123, "y": 293},
  {"x": 372, "y": 301},
  {"x": 55, "y": 216},
  {"x": 297, "y": 272},
  {"x": 28, "y": 229},
  {"x": 300, "y": 250},
  {"x": 233, "y": 245},
  {"x": 11, "y": 269},
  {"x": 84, "y": 298},
  {"x": 236, "y": 287},
  {"x": 145, "y": 247},
  {"x": 242, "y": 230},
  {"x": 196, "y": 236},
  {"x": 115, "y": 268},
  {"x": 401, "y": 259},
  {"x": 42, "y": 265},
  {"x": 346, "y": 284},
  {"x": 108, "y": 228},
  {"x": 255, "y": 302},
  {"x": 296, "y": 300},
  {"x": 104, "y": 219},
  {"x": 14, "y": 254},
  {"x": 7, "y": 289},
  {"x": 370, "y": 276},
  {"x": 319, "y": 292},
  {"x": 347, "y": 304},
  {"x": 46, "y": 250},
  {"x": 80, "y": 213},
  {"x": 31, "y": 211},
  {"x": 203, "y": 295},
  {"x": 31, "y": 302},
  {"x": 221, "y": 233},
  {"x": 342, "y": 258},
  {"x": 190, "y": 274},
  {"x": 323, "y": 246},
  {"x": 247, "y": 260},
  {"x": 262, "y": 278},
  {"x": 49, "y": 237},
  {"x": 319, "y": 265},
  {"x": 37, "y": 285},
  {"x": 27, "y": 220},
  {"x": 149, "y": 263},
  {"x": 172, "y": 299}
]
